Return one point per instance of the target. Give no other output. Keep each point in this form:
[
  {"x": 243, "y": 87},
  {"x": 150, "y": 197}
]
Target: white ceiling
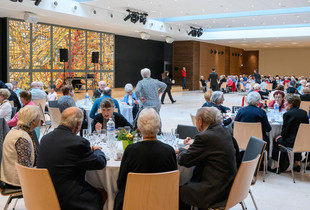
[{"x": 288, "y": 29}]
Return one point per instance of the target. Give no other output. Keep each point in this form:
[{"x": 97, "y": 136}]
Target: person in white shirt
[
  {"x": 52, "y": 95},
  {"x": 36, "y": 91},
  {"x": 5, "y": 106}
]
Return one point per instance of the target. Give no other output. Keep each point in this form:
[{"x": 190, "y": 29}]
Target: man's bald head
[{"x": 72, "y": 118}]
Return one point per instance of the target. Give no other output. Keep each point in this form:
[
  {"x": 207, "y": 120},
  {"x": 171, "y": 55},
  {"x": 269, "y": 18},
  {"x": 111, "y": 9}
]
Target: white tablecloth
[{"x": 126, "y": 111}]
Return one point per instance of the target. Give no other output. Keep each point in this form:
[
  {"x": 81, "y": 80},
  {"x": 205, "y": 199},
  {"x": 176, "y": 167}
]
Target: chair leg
[
  {"x": 291, "y": 160},
  {"x": 253, "y": 199},
  {"x": 8, "y": 202},
  {"x": 15, "y": 203},
  {"x": 242, "y": 204},
  {"x": 307, "y": 153},
  {"x": 278, "y": 162},
  {"x": 265, "y": 165}
]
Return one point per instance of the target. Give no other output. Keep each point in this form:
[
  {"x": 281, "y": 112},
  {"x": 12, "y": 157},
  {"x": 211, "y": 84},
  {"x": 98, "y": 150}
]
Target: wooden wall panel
[
  {"x": 195, "y": 76},
  {"x": 236, "y": 61},
  {"x": 250, "y": 62}
]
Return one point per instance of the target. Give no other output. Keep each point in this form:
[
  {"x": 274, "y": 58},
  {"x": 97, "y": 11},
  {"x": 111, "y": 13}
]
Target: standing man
[
  {"x": 213, "y": 79},
  {"x": 257, "y": 76},
  {"x": 67, "y": 157},
  {"x": 98, "y": 93},
  {"x": 183, "y": 74}
]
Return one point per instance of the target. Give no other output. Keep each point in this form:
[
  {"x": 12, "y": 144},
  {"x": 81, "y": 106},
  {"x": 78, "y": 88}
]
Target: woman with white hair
[
  {"x": 131, "y": 99},
  {"x": 18, "y": 146},
  {"x": 147, "y": 156},
  {"x": 5, "y": 106},
  {"x": 252, "y": 113},
  {"x": 257, "y": 88}
]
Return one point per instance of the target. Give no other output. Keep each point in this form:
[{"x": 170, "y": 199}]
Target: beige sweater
[{"x": 9, "y": 156}]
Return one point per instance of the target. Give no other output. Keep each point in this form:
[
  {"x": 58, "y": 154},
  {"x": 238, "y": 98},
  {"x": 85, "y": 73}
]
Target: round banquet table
[
  {"x": 107, "y": 179},
  {"x": 126, "y": 111}
]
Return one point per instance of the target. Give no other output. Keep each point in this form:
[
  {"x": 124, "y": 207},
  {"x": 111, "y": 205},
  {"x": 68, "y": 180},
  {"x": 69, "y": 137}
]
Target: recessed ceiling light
[
  {"x": 283, "y": 22},
  {"x": 227, "y": 26},
  {"x": 244, "y": 24},
  {"x": 298, "y": 16},
  {"x": 305, "y": 21},
  {"x": 233, "y": 21},
  {"x": 151, "y": 2},
  {"x": 252, "y": 5},
  {"x": 253, "y": 19},
  {"x": 213, "y": 21},
  {"x": 203, "y": 10},
  {"x": 274, "y": 18}
]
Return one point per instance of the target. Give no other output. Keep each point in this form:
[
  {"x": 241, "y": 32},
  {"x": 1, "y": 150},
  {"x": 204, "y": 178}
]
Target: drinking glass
[
  {"x": 127, "y": 128},
  {"x": 85, "y": 133}
]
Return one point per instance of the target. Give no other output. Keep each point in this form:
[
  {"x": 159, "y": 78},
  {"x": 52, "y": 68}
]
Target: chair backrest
[
  {"x": 269, "y": 86},
  {"x": 42, "y": 112},
  {"x": 242, "y": 87},
  {"x": 55, "y": 116},
  {"x": 223, "y": 85},
  {"x": 40, "y": 101},
  {"x": 186, "y": 131},
  {"x": 53, "y": 104},
  {"x": 193, "y": 118},
  {"x": 12, "y": 103},
  {"x": 305, "y": 105},
  {"x": 302, "y": 142},
  {"x": 14, "y": 109},
  {"x": 243, "y": 132},
  {"x": 3, "y": 132},
  {"x": 240, "y": 188},
  {"x": 38, "y": 189},
  {"x": 152, "y": 191},
  {"x": 255, "y": 147}
]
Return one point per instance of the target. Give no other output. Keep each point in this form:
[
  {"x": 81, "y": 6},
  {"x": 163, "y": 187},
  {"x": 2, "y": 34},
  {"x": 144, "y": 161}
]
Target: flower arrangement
[{"x": 124, "y": 135}]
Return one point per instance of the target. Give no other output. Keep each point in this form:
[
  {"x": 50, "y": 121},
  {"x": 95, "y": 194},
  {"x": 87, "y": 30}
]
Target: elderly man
[
  {"x": 213, "y": 154},
  {"x": 147, "y": 156},
  {"x": 67, "y": 157},
  {"x": 107, "y": 92},
  {"x": 252, "y": 113},
  {"x": 148, "y": 90},
  {"x": 98, "y": 93},
  {"x": 36, "y": 91}
]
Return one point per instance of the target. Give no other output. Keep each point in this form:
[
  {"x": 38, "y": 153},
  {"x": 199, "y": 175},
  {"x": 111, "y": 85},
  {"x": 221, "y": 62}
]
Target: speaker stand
[{"x": 64, "y": 82}]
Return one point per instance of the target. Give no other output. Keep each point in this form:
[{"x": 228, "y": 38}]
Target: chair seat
[{"x": 8, "y": 191}]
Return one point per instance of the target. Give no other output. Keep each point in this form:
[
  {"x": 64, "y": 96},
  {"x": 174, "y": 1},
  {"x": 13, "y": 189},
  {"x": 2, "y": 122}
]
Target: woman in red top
[
  {"x": 183, "y": 74},
  {"x": 279, "y": 97}
]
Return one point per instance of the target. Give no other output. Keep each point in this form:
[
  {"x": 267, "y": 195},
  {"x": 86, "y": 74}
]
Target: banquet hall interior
[{"x": 83, "y": 42}]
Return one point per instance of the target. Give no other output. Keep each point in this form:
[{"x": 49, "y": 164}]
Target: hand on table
[
  {"x": 98, "y": 126},
  {"x": 95, "y": 148},
  {"x": 188, "y": 141}
]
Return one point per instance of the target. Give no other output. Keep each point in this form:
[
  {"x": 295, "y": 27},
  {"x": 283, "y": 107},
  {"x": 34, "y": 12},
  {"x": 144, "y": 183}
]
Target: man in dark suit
[
  {"x": 291, "y": 121},
  {"x": 256, "y": 76},
  {"x": 67, "y": 157},
  {"x": 306, "y": 95},
  {"x": 213, "y": 154},
  {"x": 252, "y": 113},
  {"x": 213, "y": 78}
]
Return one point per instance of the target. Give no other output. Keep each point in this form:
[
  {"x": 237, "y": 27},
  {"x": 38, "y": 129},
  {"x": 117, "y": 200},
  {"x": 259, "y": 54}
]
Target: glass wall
[{"x": 34, "y": 54}]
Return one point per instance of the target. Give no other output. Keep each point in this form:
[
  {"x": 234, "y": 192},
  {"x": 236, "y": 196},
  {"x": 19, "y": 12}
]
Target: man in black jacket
[
  {"x": 256, "y": 76},
  {"x": 213, "y": 78},
  {"x": 67, "y": 157}
]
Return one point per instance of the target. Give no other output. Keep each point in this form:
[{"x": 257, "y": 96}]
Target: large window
[{"x": 34, "y": 54}]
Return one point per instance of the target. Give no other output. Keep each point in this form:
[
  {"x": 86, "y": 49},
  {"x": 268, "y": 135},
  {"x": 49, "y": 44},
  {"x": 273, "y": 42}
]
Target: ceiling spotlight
[
  {"x": 195, "y": 32},
  {"x": 37, "y": 2},
  {"x": 145, "y": 36},
  {"x": 16, "y": 1},
  {"x": 169, "y": 40},
  {"x": 136, "y": 16}
]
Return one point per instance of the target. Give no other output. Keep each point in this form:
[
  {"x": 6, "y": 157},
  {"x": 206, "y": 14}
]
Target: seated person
[
  {"x": 263, "y": 94},
  {"x": 303, "y": 84},
  {"x": 306, "y": 95},
  {"x": 147, "y": 156},
  {"x": 16, "y": 89},
  {"x": 207, "y": 97},
  {"x": 279, "y": 87},
  {"x": 52, "y": 94},
  {"x": 291, "y": 121},
  {"x": 66, "y": 100},
  {"x": 217, "y": 100},
  {"x": 213, "y": 154},
  {"x": 203, "y": 83},
  {"x": 101, "y": 119},
  {"x": 67, "y": 157},
  {"x": 131, "y": 99},
  {"x": 252, "y": 113},
  {"x": 37, "y": 92},
  {"x": 99, "y": 93},
  {"x": 25, "y": 98},
  {"x": 292, "y": 87},
  {"x": 279, "y": 98},
  {"x": 13, "y": 96},
  {"x": 18, "y": 146},
  {"x": 5, "y": 106}
]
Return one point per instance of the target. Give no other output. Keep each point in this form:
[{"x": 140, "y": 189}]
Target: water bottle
[
  {"x": 87, "y": 96},
  {"x": 276, "y": 107},
  {"x": 110, "y": 130}
]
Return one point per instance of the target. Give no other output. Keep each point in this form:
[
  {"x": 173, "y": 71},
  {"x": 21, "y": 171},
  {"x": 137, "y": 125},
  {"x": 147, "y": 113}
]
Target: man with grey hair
[
  {"x": 213, "y": 154},
  {"x": 98, "y": 93},
  {"x": 67, "y": 158},
  {"x": 36, "y": 92},
  {"x": 147, "y": 156},
  {"x": 252, "y": 113},
  {"x": 148, "y": 90}
]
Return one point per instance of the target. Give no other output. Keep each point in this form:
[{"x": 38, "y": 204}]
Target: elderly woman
[
  {"x": 213, "y": 154},
  {"x": 131, "y": 99},
  {"x": 5, "y": 106},
  {"x": 252, "y": 113},
  {"x": 147, "y": 156},
  {"x": 207, "y": 97},
  {"x": 291, "y": 121},
  {"x": 18, "y": 146},
  {"x": 302, "y": 86},
  {"x": 217, "y": 100},
  {"x": 25, "y": 98},
  {"x": 256, "y": 88},
  {"x": 279, "y": 87},
  {"x": 279, "y": 98},
  {"x": 101, "y": 119}
]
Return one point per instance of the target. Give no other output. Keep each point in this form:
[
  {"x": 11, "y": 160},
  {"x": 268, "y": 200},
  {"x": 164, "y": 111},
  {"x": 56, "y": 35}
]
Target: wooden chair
[
  {"x": 241, "y": 185},
  {"x": 305, "y": 105},
  {"x": 38, "y": 189},
  {"x": 40, "y": 101},
  {"x": 46, "y": 123},
  {"x": 243, "y": 132},
  {"x": 152, "y": 191},
  {"x": 186, "y": 131},
  {"x": 203, "y": 88},
  {"x": 12, "y": 103},
  {"x": 223, "y": 86},
  {"x": 302, "y": 144},
  {"x": 269, "y": 86},
  {"x": 13, "y": 194},
  {"x": 55, "y": 116},
  {"x": 242, "y": 88},
  {"x": 193, "y": 118}
]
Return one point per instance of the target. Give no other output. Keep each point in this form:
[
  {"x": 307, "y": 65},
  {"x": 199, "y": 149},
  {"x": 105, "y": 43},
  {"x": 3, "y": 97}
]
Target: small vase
[{"x": 125, "y": 144}]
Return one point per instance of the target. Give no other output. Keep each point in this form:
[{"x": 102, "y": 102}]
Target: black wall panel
[{"x": 3, "y": 49}]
